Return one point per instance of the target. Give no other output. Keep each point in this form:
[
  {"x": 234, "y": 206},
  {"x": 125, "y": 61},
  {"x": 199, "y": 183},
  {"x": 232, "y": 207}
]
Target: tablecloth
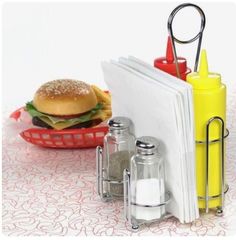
[{"x": 52, "y": 192}]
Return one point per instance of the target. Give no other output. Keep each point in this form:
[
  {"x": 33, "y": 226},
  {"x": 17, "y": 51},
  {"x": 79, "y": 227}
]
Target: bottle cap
[
  {"x": 203, "y": 79},
  {"x": 118, "y": 123},
  {"x": 167, "y": 63},
  {"x": 147, "y": 144}
]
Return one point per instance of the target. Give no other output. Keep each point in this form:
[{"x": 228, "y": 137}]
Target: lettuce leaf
[{"x": 83, "y": 118}]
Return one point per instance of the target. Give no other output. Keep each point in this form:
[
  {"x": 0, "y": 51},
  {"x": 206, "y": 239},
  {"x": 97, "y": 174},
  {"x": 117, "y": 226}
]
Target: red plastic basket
[{"x": 68, "y": 138}]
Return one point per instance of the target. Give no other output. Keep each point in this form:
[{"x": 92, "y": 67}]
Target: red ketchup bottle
[{"x": 167, "y": 63}]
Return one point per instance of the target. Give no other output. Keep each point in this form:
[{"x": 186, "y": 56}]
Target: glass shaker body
[
  {"x": 119, "y": 144},
  {"x": 147, "y": 181}
]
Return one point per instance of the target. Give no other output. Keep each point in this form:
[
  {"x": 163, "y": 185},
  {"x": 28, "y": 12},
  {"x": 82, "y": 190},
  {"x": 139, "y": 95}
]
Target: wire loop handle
[
  {"x": 216, "y": 118},
  {"x": 223, "y": 186},
  {"x": 198, "y": 36}
]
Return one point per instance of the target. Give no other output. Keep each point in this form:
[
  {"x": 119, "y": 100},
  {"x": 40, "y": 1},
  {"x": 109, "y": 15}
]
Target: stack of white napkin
[{"x": 161, "y": 106}]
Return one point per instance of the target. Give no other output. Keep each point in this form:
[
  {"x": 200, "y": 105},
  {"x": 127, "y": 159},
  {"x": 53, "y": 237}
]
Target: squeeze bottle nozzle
[
  {"x": 203, "y": 69},
  {"x": 169, "y": 52},
  {"x": 203, "y": 79}
]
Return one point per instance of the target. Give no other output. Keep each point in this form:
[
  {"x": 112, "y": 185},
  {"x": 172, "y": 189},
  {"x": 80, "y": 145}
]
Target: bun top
[{"x": 65, "y": 97}]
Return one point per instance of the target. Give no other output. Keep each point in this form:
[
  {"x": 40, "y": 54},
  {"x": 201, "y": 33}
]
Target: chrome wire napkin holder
[{"x": 126, "y": 181}]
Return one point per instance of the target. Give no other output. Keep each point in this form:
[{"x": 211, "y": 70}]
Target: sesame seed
[{"x": 63, "y": 87}]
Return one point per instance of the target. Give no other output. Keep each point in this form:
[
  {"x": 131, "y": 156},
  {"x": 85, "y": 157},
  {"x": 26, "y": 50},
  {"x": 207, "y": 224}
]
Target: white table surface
[{"x": 51, "y": 192}]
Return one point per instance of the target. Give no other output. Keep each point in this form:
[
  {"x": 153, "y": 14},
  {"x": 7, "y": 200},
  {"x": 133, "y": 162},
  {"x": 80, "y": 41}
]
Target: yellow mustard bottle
[{"x": 209, "y": 101}]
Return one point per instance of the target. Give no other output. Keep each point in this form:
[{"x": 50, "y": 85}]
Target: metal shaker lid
[
  {"x": 147, "y": 144},
  {"x": 117, "y": 123}
]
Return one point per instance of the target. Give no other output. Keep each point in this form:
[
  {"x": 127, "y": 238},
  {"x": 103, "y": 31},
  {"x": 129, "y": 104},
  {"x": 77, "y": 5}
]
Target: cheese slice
[
  {"x": 59, "y": 125},
  {"x": 62, "y": 125}
]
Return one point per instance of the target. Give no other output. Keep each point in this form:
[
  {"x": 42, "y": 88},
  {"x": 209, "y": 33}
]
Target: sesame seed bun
[{"x": 65, "y": 97}]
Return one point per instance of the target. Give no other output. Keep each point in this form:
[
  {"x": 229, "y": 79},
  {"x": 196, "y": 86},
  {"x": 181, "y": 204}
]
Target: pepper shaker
[{"x": 119, "y": 144}]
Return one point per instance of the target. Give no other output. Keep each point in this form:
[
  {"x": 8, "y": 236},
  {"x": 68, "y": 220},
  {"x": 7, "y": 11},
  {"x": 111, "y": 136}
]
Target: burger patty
[{"x": 38, "y": 122}]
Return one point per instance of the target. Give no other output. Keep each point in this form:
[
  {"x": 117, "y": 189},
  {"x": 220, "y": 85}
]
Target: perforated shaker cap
[
  {"x": 147, "y": 144},
  {"x": 118, "y": 123}
]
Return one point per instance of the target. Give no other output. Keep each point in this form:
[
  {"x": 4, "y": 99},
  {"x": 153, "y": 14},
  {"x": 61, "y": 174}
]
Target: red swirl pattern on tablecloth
[{"x": 49, "y": 192}]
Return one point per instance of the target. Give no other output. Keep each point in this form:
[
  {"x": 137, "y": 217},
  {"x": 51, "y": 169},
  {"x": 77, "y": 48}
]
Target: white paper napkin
[{"x": 161, "y": 110}]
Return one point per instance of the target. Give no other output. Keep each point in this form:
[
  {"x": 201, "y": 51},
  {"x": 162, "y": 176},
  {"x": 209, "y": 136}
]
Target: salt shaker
[
  {"x": 146, "y": 183},
  {"x": 119, "y": 145}
]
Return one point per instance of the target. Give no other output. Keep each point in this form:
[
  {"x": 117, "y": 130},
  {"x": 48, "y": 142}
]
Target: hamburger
[{"x": 65, "y": 104}]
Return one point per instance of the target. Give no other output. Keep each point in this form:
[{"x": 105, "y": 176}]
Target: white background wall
[{"x": 46, "y": 41}]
